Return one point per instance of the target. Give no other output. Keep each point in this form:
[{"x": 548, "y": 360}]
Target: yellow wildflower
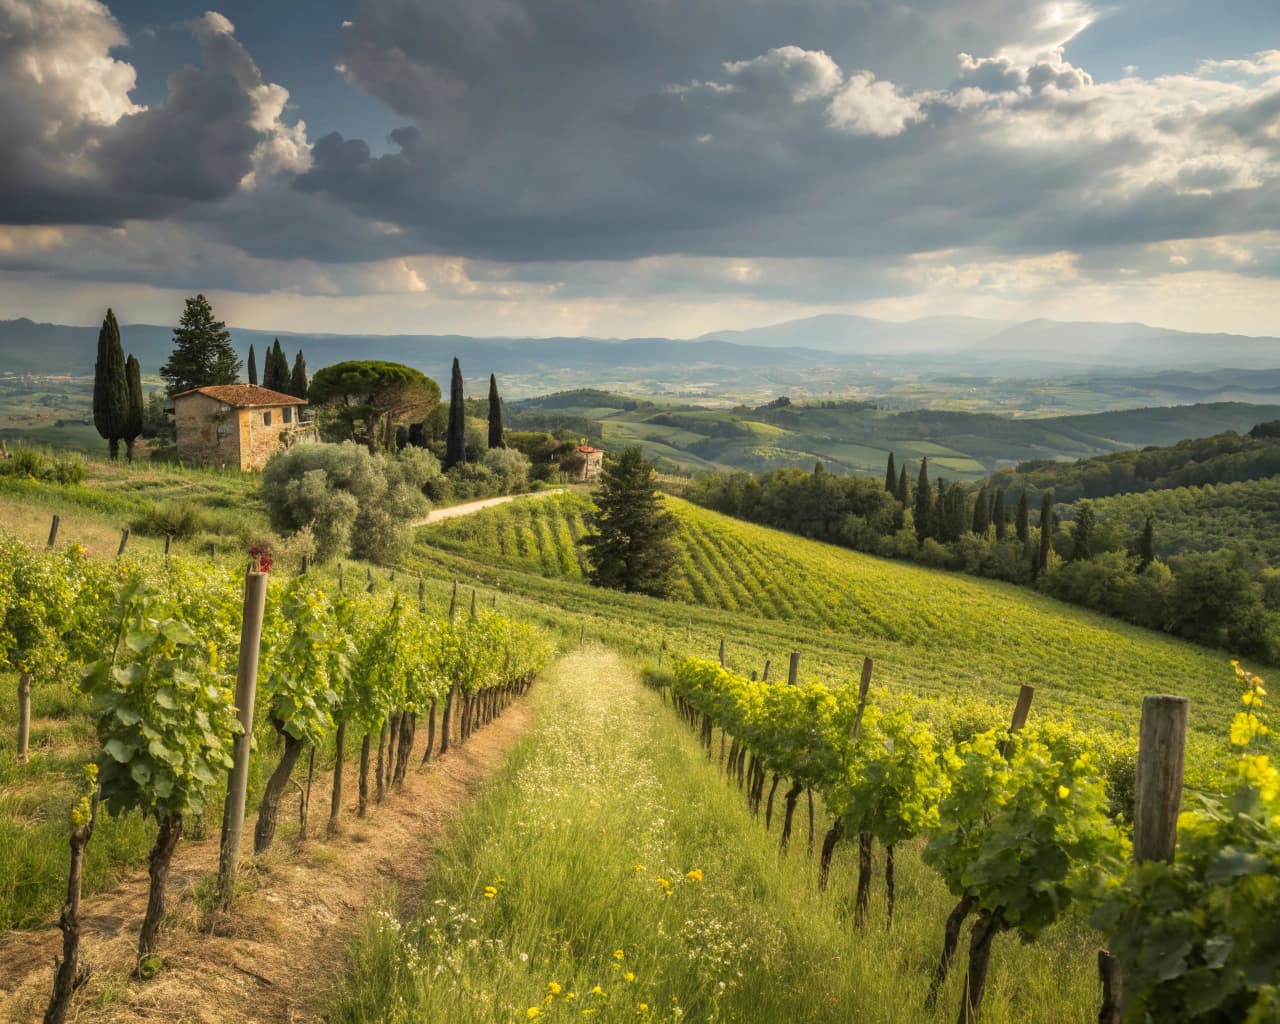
[
  {"x": 644, "y": 1007},
  {"x": 695, "y": 875},
  {"x": 553, "y": 987},
  {"x": 533, "y": 1011},
  {"x": 597, "y": 991},
  {"x": 629, "y": 976},
  {"x": 490, "y": 892},
  {"x": 1063, "y": 792},
  {"x": 618, "y": 954}
]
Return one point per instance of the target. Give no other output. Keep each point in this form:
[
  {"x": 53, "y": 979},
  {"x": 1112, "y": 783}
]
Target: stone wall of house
[
  {"x": 594, "y": 465},
  {"x": 259, "y": 440},
  {"x": 206, "y": 436}
]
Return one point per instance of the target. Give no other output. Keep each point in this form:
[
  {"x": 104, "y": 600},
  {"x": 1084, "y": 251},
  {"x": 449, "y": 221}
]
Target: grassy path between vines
[
  {"x": 609, "y": 872},
  {"x": 273, "y": 960}
]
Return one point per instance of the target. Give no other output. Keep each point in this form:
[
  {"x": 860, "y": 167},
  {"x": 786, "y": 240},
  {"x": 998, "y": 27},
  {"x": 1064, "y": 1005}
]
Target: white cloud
[
  {"x": 805, "y": 74},
  {"x": 868, "y": 107}
]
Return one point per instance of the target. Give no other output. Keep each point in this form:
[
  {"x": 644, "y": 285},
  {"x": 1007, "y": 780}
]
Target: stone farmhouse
[
  {"x": 592, "y": 464},
  {"x": 237, "y": 425}
]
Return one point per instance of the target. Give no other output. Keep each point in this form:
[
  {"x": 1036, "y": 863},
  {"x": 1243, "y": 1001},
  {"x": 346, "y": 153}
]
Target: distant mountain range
[
  {"x": 761, "y": 357},
  {"x": 1034, "y": 344}
]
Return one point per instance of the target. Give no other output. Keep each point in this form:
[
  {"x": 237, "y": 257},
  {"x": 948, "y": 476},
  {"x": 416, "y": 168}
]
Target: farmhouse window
[
  {"x": 266, "y": 418},
  {"x": 288, "y": 414}
]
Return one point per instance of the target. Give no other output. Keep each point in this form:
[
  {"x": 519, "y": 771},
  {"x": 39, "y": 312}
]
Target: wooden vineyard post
[
  {"x": 124, "y": 541},
  {"x": 53, "y": 531},
  {"x": 255, "y": 595},
  {"x": 793, "y": 669},
  {"x": 453, "y": 600},
  {"x": 722, "y": 665},
  {"x": 764, "y": 677},
  {"x": 1020, "y": 712},
  {"x": 473, "y": 602},
  {"x": 864, "y": 687},
  {"x": 1162, "y": 741},
  {"x": 369, "y": 585},
  {"x": 582, "y": 634},
  {"x": 661, "y": 651},
  {"x": 340, "y": 590},
  {"x": 422, "y": 596},
  {"x": 168, "y": 543},
  {"x": 306, "y": 564}
]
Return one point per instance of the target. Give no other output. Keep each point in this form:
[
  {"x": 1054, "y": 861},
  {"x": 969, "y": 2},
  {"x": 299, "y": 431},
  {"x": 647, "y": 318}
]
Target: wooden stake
[
  {"x": 53, "y": 531},
  {"x": 864, "y": 687},
  {"x": 473, "y": 602},
  {"x": 168, "y": 542},
  {"x": 1020, "y": 712},
  {"x": 422, "y": 595},
  {"x": 1162, "y": 742},
  {"x": 340, "y": 590},
  {"x": 124, "y": 540},
  {"x": 722, "y": 652},
  {"x": 255, "y": 596},
  {"x": 765, "y": 676},
  {"x": 453, "y": 600},
  {"x": 582, "y": 634},
  {"x": 793, "y": 670}
]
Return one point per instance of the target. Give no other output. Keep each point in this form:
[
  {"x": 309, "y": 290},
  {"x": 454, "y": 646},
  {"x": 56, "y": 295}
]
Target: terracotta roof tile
[{"x": 243, "y": 396}]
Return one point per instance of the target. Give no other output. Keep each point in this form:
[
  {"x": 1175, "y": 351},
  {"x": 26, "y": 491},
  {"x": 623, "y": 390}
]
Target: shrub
[
  {"x": 352, "y": 500},
  {"x": 178, "y": 518},
  {"x": 509, "y": 467}
]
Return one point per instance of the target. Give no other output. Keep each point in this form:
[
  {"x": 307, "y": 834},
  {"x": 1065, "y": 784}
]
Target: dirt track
[
  {"x": 439, "y": 515},
  {"x": 275, "y": 958}
]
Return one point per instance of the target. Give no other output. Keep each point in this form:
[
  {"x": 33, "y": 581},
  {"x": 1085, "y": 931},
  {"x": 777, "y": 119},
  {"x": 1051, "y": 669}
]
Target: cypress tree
[
  {"x": 904, "y": 487},
  {"x": 1000, "y": 515},
  {"x": 890, "y": 475},
  {"x": 133, "y": 422},
  {"x": 495, "y": 414},
  {"x": 202, "y": 352},
  {"x": 924, "y": 502},
  {"x": 455, "y": 449},
  {"x": 957, "y": 521},
  {"x": 1147, "y": 545},
  {"x": 630, "y": 545},
  {"x": 253, "y": 366},
  {"x": 982, "y": 511},
  {"x": 275, "y": 372},
  {"x": 1082, "y": 534},
  {"x": 110, "y": 386},
  {"x": 1046, "y": 533},
  {"x": 1022, "y": 524},
  {"x": 298, "y": 379},
  {"x": 940, "y": 522}
]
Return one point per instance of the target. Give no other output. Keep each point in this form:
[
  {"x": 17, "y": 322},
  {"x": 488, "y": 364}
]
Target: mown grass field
[{"x": 947, "y": 638}]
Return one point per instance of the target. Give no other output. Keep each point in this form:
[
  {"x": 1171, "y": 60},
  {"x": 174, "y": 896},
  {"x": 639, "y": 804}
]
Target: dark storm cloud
[{"x": 80, "y": 151}]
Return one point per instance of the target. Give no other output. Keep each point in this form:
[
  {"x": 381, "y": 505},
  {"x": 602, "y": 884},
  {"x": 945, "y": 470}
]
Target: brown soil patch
[{"x": 276, "y": 957}]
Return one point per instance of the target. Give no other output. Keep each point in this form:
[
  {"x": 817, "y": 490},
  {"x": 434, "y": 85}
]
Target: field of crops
[{"x": 945, "y": 638}]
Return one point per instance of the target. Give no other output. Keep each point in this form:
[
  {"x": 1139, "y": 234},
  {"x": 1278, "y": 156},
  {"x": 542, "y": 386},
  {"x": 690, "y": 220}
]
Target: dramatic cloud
[
  {"x": 81, "y": 151},
  {"x": 810, "y": 154}
]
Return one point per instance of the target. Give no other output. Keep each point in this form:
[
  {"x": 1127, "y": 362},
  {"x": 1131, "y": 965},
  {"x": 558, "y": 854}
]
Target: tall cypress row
[
  {"x": 1147, "y": 545},
  {"x": 455, "y": 449},
  {"x": 1022, "y": 523},
  {"x": 890, "y": 475},
  {"x": 495, "y": 415},
  {"x": 110, "y": 386},
  {"x": 904, "y": 487},
  {"x": 298, "y": 379},
  {"x": 982, "y": 511},
  {"x": 1046, "y": 533},
  {"x": 133, "y": 421},
  {"x": 1000, "y": 515},
  {"x": 253, "y": 366},
  {"x": 924, "y": 503}
]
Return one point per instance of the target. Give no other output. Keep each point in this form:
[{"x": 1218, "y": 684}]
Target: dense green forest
[
  {"x": 1198, "y": 562},
  {"x": 1224, "y": 458}
]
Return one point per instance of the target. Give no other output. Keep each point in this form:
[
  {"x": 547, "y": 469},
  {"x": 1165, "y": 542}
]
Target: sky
[{"x": 624, "y": 168}]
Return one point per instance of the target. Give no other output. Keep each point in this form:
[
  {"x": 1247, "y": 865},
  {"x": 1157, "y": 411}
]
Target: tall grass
[{"x": 627, "y": 879}]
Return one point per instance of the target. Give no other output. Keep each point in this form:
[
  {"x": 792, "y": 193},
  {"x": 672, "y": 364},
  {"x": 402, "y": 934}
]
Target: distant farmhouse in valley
[
  {"x": 588, "y": 465},
  {"x": 237, "y": 425}
]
